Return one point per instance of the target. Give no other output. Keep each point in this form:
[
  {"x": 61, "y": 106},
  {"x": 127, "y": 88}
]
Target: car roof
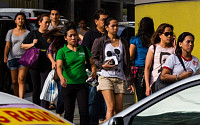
[
  {"x": 149, "y": 99},
  {"x": 9, "y": 99},
  {"x": 28, "y": 12},
  {"x": 21, "y": 9}
]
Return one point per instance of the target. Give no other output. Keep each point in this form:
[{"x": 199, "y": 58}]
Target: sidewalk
[
  {"x": 28, "y": 97},
  {"x": 128, "y": 100}
]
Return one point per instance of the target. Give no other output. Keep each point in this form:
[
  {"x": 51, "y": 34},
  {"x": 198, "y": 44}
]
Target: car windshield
[{"x": 181, "y": 108}]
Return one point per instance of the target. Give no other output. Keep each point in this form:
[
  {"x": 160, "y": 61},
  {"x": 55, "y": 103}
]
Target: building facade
[
  {"x": 73, "y": 9},
  {"x": 184, "y": 15}
]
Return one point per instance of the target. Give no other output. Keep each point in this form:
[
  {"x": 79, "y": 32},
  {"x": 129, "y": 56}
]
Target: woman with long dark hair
[
  {"x": 139, "y": 45},
  {"x": 172, "y": 69},
  {"x": 39, "y": 74},
  {"x": 111, "y": 56},
  {"x": 13, "y": 53},
  {"x": 56, "y": 36},
  {"x": 161, "y": 48}
]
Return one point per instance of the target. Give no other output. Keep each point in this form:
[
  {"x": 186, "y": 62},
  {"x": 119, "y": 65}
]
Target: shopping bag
[
  {"x": 30, "y": 58},
  {"x": 50, "y": 88}
]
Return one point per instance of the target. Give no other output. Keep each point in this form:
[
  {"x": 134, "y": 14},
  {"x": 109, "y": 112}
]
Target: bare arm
[
  {"x": 148, "y": 63},
  {"x": 27, "y": 46},
  {"x": 59, "y": 66},
  {"x": 6, "y": 50},
  {"x": 132, "y": 50},
  {"x": 93, "y": 68},
  {"x": 166, "y": 75},
  {"x": 53, "y": 63}
]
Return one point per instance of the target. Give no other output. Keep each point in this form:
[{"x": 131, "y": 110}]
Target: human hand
[
  {"x": 53, "y": 65},
  {"x": 185, "y": 74},
  {"x": 174, "y": 41},
  {"x": 5, "y": 59},
  {"x": 148, "y": 91},
  {"x": 93, "y": 75},
  {"x": 131, "y": 87},
  {"x": 35, "y": 41},
  {"x": 107, "y": 65},
  {"x": 63, "y": 82}
]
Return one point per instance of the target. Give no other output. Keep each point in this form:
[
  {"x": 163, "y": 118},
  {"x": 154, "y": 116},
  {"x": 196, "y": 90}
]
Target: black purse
[{"x": 159, "y": 84}]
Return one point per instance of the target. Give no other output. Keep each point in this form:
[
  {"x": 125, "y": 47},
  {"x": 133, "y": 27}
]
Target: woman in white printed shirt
[{"x": 173, "y": 69}]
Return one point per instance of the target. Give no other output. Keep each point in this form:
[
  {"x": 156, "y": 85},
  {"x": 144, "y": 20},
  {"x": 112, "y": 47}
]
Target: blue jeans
[{"x": 97, "y": 107}]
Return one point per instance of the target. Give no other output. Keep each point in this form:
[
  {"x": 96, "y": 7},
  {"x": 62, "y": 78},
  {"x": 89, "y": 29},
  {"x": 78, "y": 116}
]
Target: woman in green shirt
[{"x": 70, "y": 61}]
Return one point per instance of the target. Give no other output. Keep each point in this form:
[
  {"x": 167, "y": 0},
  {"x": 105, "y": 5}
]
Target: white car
[
  {"x": 16, "y": 111},
  {"x": 28, "y": 12},
  {"x": 31, "y": 15},
  {"x": 177, "y": 104}
]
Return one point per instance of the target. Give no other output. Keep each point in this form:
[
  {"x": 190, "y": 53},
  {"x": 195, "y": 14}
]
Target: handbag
[
  {"x": 159, "y": 84},
  {"x": 30, "y": 58},
  {"x": 134, "y": 71},
  {"x": 50, "y": 88}
]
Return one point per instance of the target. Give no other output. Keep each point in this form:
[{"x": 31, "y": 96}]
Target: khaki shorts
[{"x": 111, "y": 83}]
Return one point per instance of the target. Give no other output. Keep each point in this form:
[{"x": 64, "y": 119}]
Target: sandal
[{"x": 52, "y": 107}]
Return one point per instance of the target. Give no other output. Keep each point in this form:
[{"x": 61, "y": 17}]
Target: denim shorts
[{"x": 13, "y": 64}]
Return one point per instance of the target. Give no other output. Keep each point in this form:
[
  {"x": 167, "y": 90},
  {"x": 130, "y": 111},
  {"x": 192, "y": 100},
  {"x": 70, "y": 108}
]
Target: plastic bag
[{"x": 50, "y": 88}]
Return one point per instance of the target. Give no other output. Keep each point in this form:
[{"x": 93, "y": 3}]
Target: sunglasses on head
[{"x": 168, "y": 33}]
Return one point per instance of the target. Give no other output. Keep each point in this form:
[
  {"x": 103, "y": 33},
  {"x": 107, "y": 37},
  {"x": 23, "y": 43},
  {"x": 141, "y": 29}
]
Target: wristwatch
[{"x": 177, "y": 77}]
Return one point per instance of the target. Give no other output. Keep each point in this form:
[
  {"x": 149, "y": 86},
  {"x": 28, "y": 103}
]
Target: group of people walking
[
  {"x": 157, "y": 56},
  {"x": 149, "y": 56}
]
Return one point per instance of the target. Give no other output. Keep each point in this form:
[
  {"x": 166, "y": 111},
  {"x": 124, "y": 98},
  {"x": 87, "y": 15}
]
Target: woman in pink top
[{"x": 162, "y": 44}]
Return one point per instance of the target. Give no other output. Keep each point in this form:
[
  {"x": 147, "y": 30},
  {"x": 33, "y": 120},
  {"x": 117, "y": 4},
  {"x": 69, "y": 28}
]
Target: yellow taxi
[{"x": 16, "y": 111}]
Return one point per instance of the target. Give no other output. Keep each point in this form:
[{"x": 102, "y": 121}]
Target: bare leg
[
  {"x": 110, "y": 102},
  {"x": 119, "y": 97},
  {"x": 14, "y": 74},
  {"x": 21, "y": 80}
]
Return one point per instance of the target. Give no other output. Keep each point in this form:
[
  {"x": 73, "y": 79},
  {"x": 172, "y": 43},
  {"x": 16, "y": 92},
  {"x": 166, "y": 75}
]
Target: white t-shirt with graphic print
[
  {"x": 160, "y": 57},
  {"x": 115, "y": 53},
  {"x": 172, "y": 63}
]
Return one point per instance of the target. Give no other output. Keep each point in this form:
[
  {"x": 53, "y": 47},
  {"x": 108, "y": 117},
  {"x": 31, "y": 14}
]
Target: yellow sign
[{"x": 21, "y": 116}]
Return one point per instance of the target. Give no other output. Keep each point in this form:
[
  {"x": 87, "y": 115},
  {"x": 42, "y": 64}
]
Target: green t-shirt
[{"x": 73, "y": 64}]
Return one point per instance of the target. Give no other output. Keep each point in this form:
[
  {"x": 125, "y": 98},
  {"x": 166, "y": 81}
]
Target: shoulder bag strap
[
  {"x": 154, "y": 48},
  {"x": 180, "y": 59},
  {"x": 34, "y": 34}
]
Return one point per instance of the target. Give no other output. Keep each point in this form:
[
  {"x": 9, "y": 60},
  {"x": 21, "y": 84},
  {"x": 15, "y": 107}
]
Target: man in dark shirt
[
  {"x": 96, "y": 101},
  {"x": 99, "y": 30}
]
